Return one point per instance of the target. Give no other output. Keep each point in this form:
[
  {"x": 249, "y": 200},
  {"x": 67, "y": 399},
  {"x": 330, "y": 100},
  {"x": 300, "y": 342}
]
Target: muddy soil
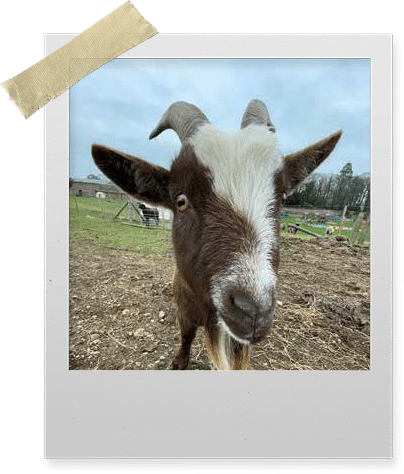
[{"x": 122, "y": 315}]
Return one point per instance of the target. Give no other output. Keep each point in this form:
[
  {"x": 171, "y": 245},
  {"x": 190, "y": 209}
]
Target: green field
[
  {"x": 321, "y": 231},
  {"x": 92, "y": 224},
  {"x": 103, "y": 208}
]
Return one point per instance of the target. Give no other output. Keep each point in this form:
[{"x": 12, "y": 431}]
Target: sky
[{"x": 119, "y": 104}]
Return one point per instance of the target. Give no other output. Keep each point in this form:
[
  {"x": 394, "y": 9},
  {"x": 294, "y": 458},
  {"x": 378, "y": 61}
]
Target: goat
[
  {"x": 341, "y": 238},
  {"x": 293, "y": 230},
  {"x": 149, "y": 213},
  {"x": 226, "y": 192},
  {"x": 329, "y": 230}
]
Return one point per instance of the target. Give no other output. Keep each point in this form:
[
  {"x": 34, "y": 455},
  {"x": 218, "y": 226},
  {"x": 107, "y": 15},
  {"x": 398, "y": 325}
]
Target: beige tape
[{"x": 119, "y": 31}]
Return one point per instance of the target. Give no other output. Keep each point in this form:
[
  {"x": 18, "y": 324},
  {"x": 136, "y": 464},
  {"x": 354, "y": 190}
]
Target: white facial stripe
[
  {"x": 250, "y": 271},
  {"x": 242, "y": 165}
]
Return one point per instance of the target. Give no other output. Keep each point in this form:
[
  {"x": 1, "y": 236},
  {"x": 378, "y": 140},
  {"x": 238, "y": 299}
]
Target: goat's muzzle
[{"x": 248, "y": 319}]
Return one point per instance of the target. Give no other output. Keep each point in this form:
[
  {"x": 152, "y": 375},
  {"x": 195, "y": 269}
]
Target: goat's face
[{"x": 226, "y": 193}]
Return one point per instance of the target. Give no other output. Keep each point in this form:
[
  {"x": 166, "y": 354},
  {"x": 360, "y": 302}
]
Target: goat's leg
[{"x": 187, "y": 336}]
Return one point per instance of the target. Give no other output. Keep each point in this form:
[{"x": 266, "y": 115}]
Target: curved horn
[
  {"x": 183, "y": 118},
  {"x": 257, "y": 113}
]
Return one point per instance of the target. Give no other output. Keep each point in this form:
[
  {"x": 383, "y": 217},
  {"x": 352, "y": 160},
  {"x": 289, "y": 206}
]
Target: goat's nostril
[{"x": 244, "y": 304}]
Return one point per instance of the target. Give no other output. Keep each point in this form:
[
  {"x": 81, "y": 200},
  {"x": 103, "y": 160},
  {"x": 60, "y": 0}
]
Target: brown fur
[
  {"x": 205, "y": 239},
  {"x": 206, "y": 233}
]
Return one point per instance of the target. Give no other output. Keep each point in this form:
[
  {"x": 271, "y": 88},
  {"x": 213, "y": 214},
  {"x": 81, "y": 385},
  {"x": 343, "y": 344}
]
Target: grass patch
[
  {"x": 92, "y": 224},
  {"x": 106, "y": 208},
  {"x": 320, "y": 231},
  {"x": 91, "y": 228}
]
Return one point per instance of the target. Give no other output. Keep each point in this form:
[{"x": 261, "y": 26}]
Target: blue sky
[{"x": 119, "y": 105}]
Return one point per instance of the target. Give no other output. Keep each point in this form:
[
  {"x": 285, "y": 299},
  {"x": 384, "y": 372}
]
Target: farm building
[{"x": 89, "y": 188}]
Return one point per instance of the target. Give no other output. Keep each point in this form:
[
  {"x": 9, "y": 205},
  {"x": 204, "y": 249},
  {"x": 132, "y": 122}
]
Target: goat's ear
[
  {"x": 297, "y": 166},
  {"x": 135, "y": 176}
]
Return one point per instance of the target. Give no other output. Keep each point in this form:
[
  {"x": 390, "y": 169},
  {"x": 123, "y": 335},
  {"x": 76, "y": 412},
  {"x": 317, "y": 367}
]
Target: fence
[
  {"x": 131, "y": 212},
  {"x": 127, "y": 212},
  {"x": 361, "y": 230}
]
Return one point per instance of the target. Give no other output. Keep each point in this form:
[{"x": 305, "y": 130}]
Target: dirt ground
[{"x": 122, "y": 316}]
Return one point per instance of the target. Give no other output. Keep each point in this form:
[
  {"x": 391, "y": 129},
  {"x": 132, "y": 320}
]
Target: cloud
[{"x": 120, "y": 103}]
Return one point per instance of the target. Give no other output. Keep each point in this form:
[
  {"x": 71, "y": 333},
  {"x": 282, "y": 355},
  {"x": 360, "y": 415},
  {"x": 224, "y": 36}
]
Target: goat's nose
[
  {"x": 251, "y": 317},
  {"x": 244, "y": 306}
]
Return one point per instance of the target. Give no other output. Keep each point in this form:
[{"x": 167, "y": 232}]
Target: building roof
[{"x": 107, "y": 187}]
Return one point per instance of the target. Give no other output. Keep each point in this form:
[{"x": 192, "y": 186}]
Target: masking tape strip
[{"x": 119, "y": 31}]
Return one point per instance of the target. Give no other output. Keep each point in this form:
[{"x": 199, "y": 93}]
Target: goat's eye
[{"x": 182, "y": 203}]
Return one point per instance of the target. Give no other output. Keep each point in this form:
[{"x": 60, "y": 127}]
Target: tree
[
  {"x": 333, "y": 192},
  {"x": 366, "y": 196},
  {"x": 343, "y": 186},
  {"x": 347, "y": 170}
]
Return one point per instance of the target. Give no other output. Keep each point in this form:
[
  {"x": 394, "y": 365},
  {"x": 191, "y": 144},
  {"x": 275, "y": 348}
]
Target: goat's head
[{"x": 226, "y": 193}]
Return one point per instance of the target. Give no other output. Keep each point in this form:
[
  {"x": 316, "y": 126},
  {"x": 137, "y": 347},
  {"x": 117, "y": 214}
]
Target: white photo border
[{"x": 210, "y": 414}]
